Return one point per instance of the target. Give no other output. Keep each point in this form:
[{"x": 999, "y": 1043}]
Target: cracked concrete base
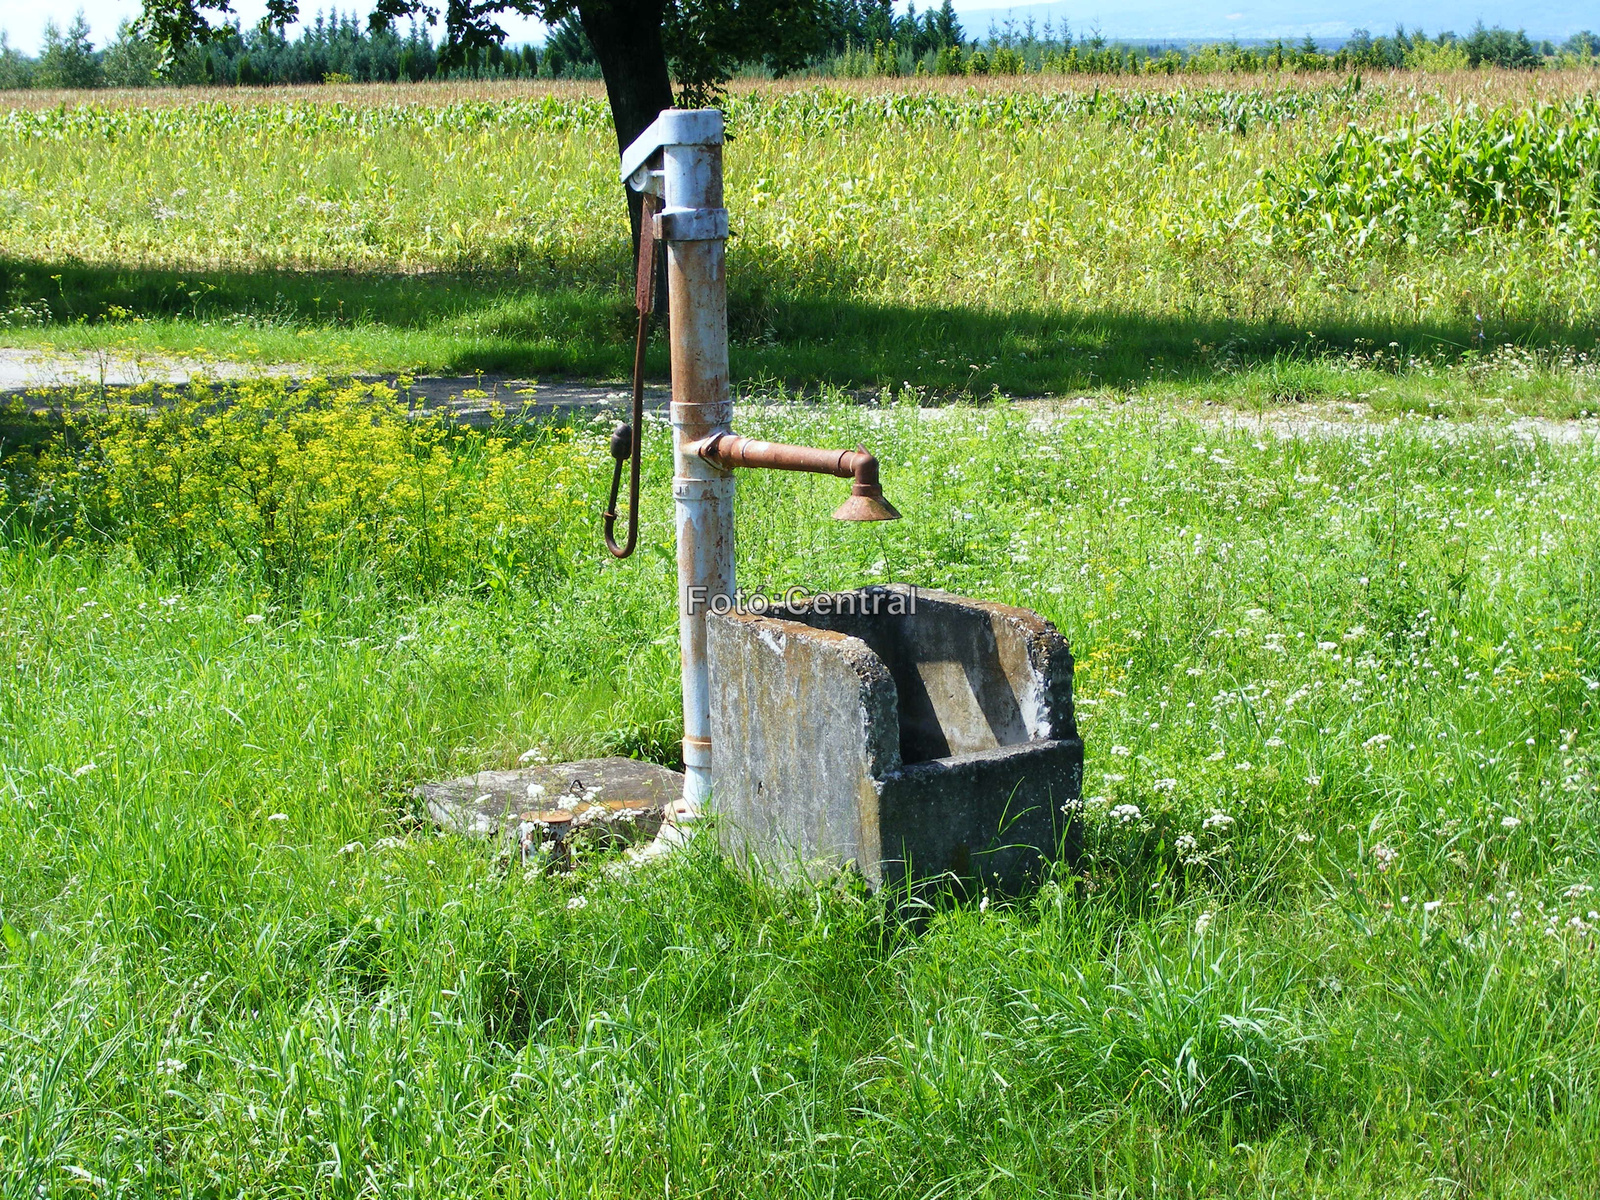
[{"x": 603, "y": 803}]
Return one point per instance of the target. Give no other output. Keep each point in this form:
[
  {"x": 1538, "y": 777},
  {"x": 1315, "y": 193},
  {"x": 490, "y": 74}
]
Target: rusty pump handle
[
  {"x": 866, "y": 503},
  {"x": 627, "y": 441}
]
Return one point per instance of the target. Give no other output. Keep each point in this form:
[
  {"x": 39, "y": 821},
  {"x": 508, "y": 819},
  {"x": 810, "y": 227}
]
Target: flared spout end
[{"x": 866, "y": 506}]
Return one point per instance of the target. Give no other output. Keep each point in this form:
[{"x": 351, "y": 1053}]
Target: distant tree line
[
  {"x": 856, "y": 38},
  {"x": 868, "y": 38},
  {"x": 331, "y": 48}
]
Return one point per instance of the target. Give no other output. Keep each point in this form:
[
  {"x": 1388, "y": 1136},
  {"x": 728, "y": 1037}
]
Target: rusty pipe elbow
[{"x": 866, "y": 501}]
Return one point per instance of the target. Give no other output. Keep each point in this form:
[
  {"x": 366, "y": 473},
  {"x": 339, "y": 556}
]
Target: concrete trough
[{"x": 913, "y": 735}]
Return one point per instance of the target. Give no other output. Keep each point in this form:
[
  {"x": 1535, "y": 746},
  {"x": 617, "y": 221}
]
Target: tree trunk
[{"x": 626, "y": 36}]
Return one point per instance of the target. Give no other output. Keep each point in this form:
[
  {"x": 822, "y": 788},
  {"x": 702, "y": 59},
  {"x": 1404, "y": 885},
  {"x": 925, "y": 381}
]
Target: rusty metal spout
[{"x": 866, "y": 503}]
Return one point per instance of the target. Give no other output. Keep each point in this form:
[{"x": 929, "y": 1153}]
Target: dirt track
[{"x": 472, "y": 399}]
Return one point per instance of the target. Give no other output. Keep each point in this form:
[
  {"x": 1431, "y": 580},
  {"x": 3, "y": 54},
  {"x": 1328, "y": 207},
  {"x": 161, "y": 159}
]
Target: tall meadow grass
[{"x": 1333, "y": 932}]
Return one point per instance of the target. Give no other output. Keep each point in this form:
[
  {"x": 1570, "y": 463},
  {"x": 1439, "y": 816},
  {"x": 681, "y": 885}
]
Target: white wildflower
[
  {"x": 1125, "y": 813},
  {"x": 254, "y": 619},
  {"x": 535, "y": 755},
  {"x": 535, "y": 790},
  {"x": 1327, "y": 645},
  {"x": 1164, "y": 785},
  {"x": 1429, "y": 906},
  {"x": 1577, "y": 890},
  {"x": 1313, "y": 780},
  {"x": 1384, "y": 856},
  {"x": 351, "y": 848},
  {"x": 1304, "y": 838},
  {"x": 1185, "y": 844},
  {"x": 1274, "y": 742},
  {"x": 578, "y": 902},
  {"x": 1244, "y": 765},
  {"x": 1377, "y": 741},
  {"x": 1203, "y": 922},
  {"x": 1509, "y": 822},
  {"x": 1217, "y": 757},
  {"x": 1217, "y": 820},
  {"x": 278, "y": 817},
  {"x": 1121, "y": 752},
  {"x": 171, "y": 1066}
]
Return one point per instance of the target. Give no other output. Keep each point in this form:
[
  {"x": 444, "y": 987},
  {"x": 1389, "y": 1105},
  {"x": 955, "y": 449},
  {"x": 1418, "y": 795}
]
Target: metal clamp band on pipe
[
  {"x": 700, "y": 413},
  {"x": 692, "y": 224},
  {"x": 697, "y": 752},
  {"x": 717, "y": 488}
]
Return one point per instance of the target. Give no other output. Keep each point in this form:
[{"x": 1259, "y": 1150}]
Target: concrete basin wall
[{"x": 909, "y": 734}]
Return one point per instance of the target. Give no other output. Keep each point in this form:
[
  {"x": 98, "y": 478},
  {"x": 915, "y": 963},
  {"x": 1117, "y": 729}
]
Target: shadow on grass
[{"x": 582, "y": 325}]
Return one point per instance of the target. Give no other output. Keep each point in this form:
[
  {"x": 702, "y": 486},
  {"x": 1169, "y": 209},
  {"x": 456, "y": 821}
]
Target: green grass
[
  {"x": 1133, "y": 239},
  {"x": 233, "y": 964}
]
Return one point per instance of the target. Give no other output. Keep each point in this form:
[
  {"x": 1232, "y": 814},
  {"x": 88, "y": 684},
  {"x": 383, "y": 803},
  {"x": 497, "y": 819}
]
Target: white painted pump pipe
[{"x": 694, "y": 225}]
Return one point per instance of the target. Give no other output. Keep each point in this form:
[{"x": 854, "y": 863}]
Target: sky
[{"x": 23, "y": 20}]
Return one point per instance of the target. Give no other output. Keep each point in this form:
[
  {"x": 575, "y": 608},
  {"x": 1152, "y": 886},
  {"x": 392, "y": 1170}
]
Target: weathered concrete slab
[
  {"x": 594, "y": 801},
  {"x": 912, "y": 734}
]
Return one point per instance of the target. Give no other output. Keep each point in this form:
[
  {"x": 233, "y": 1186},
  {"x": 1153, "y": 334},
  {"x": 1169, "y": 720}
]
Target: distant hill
[{"x": 1326, "y": 20}]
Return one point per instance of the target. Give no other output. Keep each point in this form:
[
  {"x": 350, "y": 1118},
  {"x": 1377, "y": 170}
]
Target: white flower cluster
[{"x": 1125, "y": 813}]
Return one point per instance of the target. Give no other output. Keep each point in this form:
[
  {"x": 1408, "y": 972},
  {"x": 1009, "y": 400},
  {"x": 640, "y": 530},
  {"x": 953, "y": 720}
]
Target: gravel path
[
  {"x": 472, "y": 397},
  {"x": 469, "y": 396}
]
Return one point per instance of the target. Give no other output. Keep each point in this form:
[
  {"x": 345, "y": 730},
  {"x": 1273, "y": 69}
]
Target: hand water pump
[{"x": 683, "y": 208}]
